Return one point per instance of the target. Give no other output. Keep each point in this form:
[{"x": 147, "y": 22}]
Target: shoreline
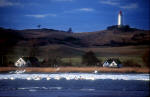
[{"x": 78, "y": 69}]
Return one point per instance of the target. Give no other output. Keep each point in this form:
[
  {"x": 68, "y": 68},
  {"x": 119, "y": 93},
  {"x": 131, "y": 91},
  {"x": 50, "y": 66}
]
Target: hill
[
  {"x": 44, "y": 37},
  {"x": 114, "y": 38},
  {"x": 22, "y": 42},
  {"x": 49, "y": 43}
]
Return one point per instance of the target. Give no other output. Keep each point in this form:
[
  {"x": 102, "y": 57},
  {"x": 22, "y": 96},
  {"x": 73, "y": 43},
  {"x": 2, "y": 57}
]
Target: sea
[{"x": 74, "y": 85}]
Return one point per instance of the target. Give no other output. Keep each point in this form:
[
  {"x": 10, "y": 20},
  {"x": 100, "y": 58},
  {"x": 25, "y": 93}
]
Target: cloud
[
  {"x": 130, "y": 6},
  {"x": 40, "y": 15},
  {"x": 86, "y": 9},
  {"x": 120, "y": 4},
  {"x": 109, "y": 2},
  {"x": 4, "y": 3},
  {"x": 80, "y": 10}
]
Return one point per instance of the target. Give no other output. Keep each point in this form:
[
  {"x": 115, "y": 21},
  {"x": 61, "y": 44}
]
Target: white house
[
  {"x": 112, "y": 63},
  {"x": 106, "y": 64},
  {"x": 27, "y": 61},
  {"x": 21, "y": 62}
]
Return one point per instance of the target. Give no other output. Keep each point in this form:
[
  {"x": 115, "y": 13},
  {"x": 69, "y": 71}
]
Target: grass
[
  {"x": 118, "y": 51},
  {"x": 80, "y": 69},
  {"x": 124, "y": 53},
  {"x": 77, "y": 60}
]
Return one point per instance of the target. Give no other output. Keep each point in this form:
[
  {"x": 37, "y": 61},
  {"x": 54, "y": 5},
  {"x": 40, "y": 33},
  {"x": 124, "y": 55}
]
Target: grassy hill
[
  {"x": 44, "y": 37},
  {"x": 114, "y": 38},
  {"x": 50, "y": 42}
]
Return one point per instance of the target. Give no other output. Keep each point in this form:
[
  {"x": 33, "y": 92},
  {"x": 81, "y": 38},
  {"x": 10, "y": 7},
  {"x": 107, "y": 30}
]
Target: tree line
[{"x": 87, "y": 59}]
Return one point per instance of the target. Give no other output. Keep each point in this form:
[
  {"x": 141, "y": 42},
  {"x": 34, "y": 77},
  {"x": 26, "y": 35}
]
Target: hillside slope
[
  {"x": 19, "y": 42},
  {"x": 114, "y": 38},
  {"x": 86, "y": 39}
]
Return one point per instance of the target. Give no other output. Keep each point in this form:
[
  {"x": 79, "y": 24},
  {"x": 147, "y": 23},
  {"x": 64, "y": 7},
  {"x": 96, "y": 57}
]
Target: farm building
[
  {"x": 27, "y": 61},
  {"x": 112, "y": 63}
]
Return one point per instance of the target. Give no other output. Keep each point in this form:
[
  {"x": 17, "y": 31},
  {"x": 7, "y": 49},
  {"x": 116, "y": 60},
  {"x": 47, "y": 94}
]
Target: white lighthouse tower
[{"x": 120, "y": 22}]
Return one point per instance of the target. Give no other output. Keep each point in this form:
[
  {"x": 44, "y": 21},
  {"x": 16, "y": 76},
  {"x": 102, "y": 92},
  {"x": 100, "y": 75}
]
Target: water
[{"x": 74, "y": 85}]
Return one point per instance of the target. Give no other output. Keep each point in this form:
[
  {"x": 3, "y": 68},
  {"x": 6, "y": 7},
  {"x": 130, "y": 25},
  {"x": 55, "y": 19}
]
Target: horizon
[
  {"x": 81, "y": 16},
  {"x": 66, "y": 29}
]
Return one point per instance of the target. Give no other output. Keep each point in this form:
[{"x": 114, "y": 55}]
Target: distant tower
[{"x": 120, "y": 19}]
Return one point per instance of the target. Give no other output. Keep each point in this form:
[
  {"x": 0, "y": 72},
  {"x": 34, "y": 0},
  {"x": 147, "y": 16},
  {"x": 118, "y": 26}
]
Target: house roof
[
  {"x": 112, "y": 59},
  {"x": 25, "y": 58},
  {"x": 31, "y": 59}
]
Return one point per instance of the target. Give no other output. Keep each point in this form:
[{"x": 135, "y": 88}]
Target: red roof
[{"x": 120, "y": 12}]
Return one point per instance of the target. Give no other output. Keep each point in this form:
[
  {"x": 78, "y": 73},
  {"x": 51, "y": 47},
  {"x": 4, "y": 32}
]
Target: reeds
[{"x": 80, "y": 69}]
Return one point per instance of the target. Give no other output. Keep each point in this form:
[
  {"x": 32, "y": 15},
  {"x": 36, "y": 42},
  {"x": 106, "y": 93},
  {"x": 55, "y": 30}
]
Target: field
[
  {"x": 67, "y": 51},
  {"x": 75, "y": 53},
  {"x": 72, "y": 56},
  {"x": 118, "y": 51},
  {"x": 76, "y": 61},
  {"x": 79, "y": 69}
]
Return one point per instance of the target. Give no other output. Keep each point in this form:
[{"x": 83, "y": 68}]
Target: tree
[
  {"x": 146, "y": 58},
  {"x": 51, "y": 61},
  {"x": 8, "y": 40},
  {"x": 39, "y": 26},
  {"x": 90, "y": 59},
  {"x": 70, "y": 30},
  {"x": 130, "y": 63},
  {"x": 54, "y": 61}
]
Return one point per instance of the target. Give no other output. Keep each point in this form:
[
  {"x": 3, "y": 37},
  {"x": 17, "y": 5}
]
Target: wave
[
  {"x": 39, "y": 88},
  {"x": 75, "y": 76}
]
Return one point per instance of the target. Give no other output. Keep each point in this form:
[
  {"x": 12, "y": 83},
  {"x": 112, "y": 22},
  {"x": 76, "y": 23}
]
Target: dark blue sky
[{"x": 81, "y": 15}]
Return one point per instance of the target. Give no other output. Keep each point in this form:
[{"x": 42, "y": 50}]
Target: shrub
[
  {"x": 90, "y": 59},
  {"x": 51, "y": 62},
  {"x": 130, "y": 63},
  {"x": 146, "y": 58}
]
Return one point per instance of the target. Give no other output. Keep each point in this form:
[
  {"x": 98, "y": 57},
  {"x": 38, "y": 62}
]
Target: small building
[
  {"x": 27, "y": 61},
  {"x": 116, "y": 63}
]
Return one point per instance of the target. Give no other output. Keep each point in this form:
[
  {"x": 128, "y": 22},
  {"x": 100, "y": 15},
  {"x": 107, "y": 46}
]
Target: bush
[
  {"x": 130, "y": 63},
  {"x": 51, "y": 62},
  {"x": 146, "y": 58},
  {"x": 90, "y": 59}
]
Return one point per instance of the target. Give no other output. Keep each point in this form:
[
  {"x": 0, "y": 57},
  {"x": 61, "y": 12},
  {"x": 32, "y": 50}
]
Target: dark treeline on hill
[{"x": 44, "y": 42}]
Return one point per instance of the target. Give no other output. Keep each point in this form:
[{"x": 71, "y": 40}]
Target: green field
[
  {"x": 125, "y": 53},
  {"x": 73, "y": 55},
  {"x": 77, "y": 60}
]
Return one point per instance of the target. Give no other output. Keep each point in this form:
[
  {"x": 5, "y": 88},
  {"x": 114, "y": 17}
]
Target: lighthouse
[{"x": 120, "y": 19}]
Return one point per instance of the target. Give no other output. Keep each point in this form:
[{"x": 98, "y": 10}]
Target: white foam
[
  {"x": 48, "y": 78},
  {"x": 32, "y": 90},
  {"x": 76, "y": 76},
  {"x": 58, "y": 88},
  {"x": 87, "y": 89}
]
